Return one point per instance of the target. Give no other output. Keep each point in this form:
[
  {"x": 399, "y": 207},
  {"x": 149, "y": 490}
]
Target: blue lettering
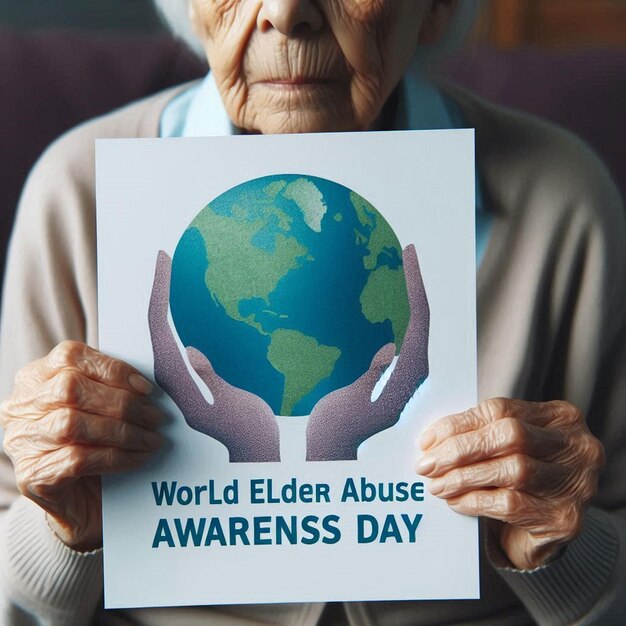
[
  {"x": 368, "y": 491},
  {"x": 256, "y": 491},
  {"x": 349, "y": 491},
  {"x": 215, "y": 533},
  {"x": 190, "y": 530},
  {"x": 329, "y": 527},
  {"x": 213, "y": 499},
  {"x": 402, "y": 489},
  {"x": 390, "y": 530},
  {"x": 363, "y": 521},
  {"x": 261, "y": 528},
  {"x": 417, "y": 492},
  {"x": 164, "y": 491},
  {"x": 238, "y": 527},
  {"x": 163, "y": 534},
  {"x": 309, "y": 526},
  {"x": 411, "y": 525},
  {"x": 290, "y": 530},
  {"x": 184, "y": 496},
  {"x": 271, "y": 499}
]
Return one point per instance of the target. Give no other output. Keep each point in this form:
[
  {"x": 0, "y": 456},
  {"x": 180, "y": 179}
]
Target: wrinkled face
[{"x": 308, "y": 65}]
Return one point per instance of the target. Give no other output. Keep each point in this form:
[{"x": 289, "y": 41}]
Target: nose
[{"x": 289, "y": 17}]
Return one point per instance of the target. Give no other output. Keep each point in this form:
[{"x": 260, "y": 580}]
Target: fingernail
[
  {"x": 427, "y": 439},
  {"x": 140, "y": 384},
  {"x": 436, "y": 486},
  {"x": 152, "y": 440},
  {"x": 425, "y": 465}
]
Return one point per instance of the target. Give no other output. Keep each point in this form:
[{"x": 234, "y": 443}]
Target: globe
[{"x": 289, "y": 284}]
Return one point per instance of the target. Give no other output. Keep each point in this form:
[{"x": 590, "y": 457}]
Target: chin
[
  {"x": 303, "y": 123},
  {"x": 303, "y": 113}
]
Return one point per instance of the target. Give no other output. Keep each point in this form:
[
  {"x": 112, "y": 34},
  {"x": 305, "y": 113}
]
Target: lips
[{"x": 296, "y": 81}]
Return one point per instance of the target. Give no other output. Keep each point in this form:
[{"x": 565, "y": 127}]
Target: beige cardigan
[{"x": 552, "y": 324}]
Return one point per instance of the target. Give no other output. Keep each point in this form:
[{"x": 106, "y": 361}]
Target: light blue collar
[{"x": 197, "y": 112}]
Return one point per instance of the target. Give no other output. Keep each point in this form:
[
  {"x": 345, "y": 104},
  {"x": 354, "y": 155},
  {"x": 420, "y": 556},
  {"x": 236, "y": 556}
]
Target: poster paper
[{"x": 307, "y": 305}]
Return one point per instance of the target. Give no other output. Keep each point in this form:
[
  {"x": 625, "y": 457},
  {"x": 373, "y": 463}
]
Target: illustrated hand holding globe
[
  {"x": 345, "y": 418},
  {"x": 293, "y": 286},
  {"x": 243, "y": 422}
]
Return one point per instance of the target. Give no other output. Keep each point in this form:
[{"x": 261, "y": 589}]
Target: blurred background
[
  {"x": 504, "y": 23},
  {"x": 554, "y": 23},
  {"x": 95, "y": 15},
  {"x": 64, "y": 61}
]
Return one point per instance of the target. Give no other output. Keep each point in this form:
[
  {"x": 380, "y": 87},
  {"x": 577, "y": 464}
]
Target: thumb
[
  {"x": 381, "y": 361},
  {"x": 202, "y": 366},
  {"x": 383, "y": 358}
]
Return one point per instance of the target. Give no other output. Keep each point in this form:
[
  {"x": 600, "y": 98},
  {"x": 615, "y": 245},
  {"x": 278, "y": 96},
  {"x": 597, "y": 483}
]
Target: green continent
[
  {"x": 384, "y": 297},
  {"x": 303, "y": 362},
  {"x": 237, "y": 269},
  {"x": 309, "y": 200},
  {"x": 273, "y": 189},
  {"x": 378, "y": 234},
  {"x": 365, "y": 212}
]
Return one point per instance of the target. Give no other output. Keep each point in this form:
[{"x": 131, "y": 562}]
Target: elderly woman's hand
[
  {"x": 72, "y": 416},
  {"x": 531, "y": 466}
]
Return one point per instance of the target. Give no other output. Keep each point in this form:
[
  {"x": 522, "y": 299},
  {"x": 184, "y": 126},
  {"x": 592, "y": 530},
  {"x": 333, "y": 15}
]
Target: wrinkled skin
[
  {"x": 72, "y": 416},
  {"x": 307, "y": 66},
  {"x": 531, "y": 467}
]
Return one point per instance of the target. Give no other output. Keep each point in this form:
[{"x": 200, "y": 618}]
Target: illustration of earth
[{"x": 289, "y": 285}]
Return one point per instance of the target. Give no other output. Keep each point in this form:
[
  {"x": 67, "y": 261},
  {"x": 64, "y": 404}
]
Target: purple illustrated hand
[
  {"x": 345, "y": 418},
  {"x": 240, "y": 420}
]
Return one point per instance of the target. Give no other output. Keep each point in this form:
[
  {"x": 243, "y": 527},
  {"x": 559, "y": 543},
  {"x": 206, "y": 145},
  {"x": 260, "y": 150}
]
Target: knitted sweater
[{"x": 552, "y": 324}]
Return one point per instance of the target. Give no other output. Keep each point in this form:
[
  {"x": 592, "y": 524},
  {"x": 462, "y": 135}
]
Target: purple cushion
[
  {"x": 584, "y": 91},
  {"x": 53, "y": 81}
]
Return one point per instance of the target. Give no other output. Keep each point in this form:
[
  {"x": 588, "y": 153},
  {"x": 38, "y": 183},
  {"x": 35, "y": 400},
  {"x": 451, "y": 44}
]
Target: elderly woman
[{"x": 552, "y": 327}]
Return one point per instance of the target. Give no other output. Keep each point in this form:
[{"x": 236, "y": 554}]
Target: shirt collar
[{"x": 197, "y": 112}]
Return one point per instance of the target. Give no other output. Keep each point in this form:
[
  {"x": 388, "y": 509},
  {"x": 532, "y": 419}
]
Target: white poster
[{"x": 306, "y": 305}]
